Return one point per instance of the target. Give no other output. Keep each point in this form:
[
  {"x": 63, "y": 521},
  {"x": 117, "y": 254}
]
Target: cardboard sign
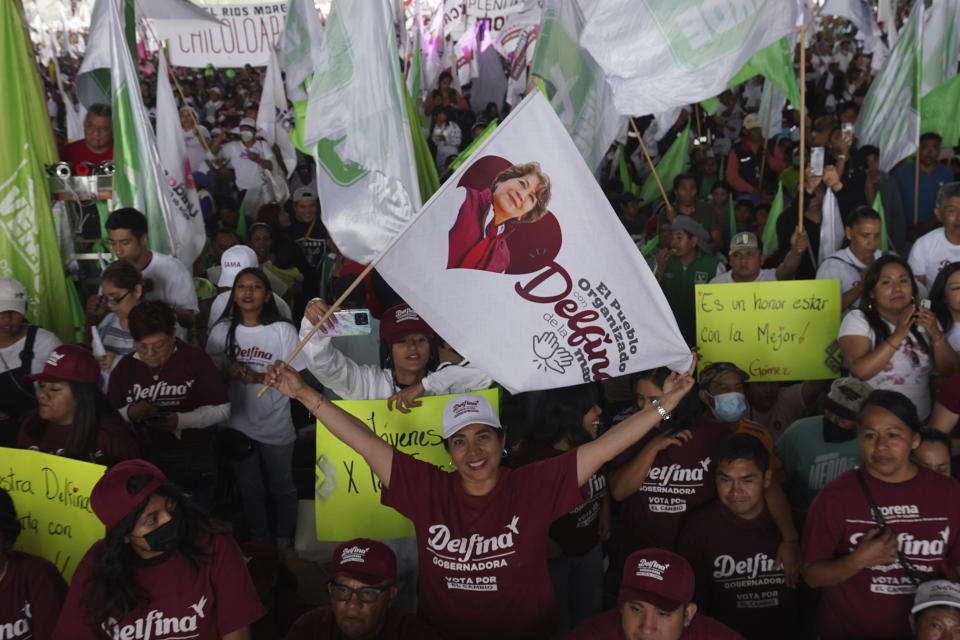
[
  {"x": 52, "y": 498},
  {"x": 772, "y": 330},
  {"x": 347, "y": 491},
  {"x": 246, "y": 35}
]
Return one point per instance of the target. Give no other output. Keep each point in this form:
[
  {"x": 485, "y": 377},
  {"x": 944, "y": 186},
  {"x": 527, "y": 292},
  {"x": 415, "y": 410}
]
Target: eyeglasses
[
  {"x": 344, "y": 593},
  {"x": 158, "y": 347},
  {"x": 114, "y": 301}
]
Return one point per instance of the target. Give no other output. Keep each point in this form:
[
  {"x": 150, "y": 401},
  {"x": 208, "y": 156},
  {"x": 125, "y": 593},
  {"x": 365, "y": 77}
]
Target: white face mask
[{"x": 246, "y": 135}]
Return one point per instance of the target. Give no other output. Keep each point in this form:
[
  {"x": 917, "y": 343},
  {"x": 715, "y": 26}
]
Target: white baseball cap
[
  {"x": 248, "y": 122},
  {"x": 13, "y": 297},
  {"x": 467, "y": 409},
  {"x": 936, "y": 593},
  {"x": 234, "y": 260}
]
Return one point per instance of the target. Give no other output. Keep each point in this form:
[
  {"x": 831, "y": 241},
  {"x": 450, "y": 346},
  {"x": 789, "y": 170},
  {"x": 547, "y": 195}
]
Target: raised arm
[
  {"x": 347, "y": 428},
  {"x": 593, "y": 455}
]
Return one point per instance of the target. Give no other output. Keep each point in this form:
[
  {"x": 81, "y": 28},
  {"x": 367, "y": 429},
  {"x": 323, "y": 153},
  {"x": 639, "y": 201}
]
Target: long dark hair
[
  {"x": 559, "y": 415},
  {"x": 938, "y": 296},
  {"x": 91, "y": 408},
  {"x": 868, "y": 304},
  {"x": 111, "y": 590},
  {"x": 269, "y": 314}
]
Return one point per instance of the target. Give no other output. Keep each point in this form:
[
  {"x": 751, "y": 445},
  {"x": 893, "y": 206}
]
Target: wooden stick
[
  {"x": 330, "y": 312},
  {"x": 916, "y": 185},
  {"x": 763, "y": 157},
  {"x": 653, "y": 169},
  {"x": 696, "y": 114},
  {"x": 803, "y": 122}
]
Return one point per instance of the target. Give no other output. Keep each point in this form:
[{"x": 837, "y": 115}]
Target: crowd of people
[{"x": 659, "y": 505}]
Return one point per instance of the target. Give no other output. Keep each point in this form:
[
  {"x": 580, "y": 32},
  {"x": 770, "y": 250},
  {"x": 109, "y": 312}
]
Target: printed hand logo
[
  {"x": 547, "y": 347},
  {"x": 199, "y": 606}
]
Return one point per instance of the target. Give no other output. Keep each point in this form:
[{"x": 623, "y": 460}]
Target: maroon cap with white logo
[
  {"x": 399, "y": 321},
  {"x": 69, "y": 363},
  {"x": 659, "y": 577},
  {"x": 366, "y": 560},
  {"x": 110, "y": 499}
]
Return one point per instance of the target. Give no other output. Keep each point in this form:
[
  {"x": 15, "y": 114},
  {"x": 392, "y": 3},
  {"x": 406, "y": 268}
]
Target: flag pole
[
  {"x": 763, "y": 157},
  {"x": 333, "y": 308},
  {"x": 916, "y": 185},
  {"x": 803, "y": 122},
  {"x": 653, "y": 169}
]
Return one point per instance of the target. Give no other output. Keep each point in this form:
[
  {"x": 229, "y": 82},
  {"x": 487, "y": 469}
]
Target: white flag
[
  {"x": 658, "y": 54},
  {"x": 543, "y": 295},
  {"x": 75, "y": 112},
  {"x": 432, "y": 44},
  {"x": 772, "y": 103},
  {"x": 302, "y": 45},
  {"x": 860, "y": 13},
  {"x": 890, "y": 115},
  {"x": 941, "y": 34},
  {"x": 355, "y": 124},
  {"x": 274, "y": 120},
  {"x": 185, "y": 223},
  {"x": 831, "y": 227}
]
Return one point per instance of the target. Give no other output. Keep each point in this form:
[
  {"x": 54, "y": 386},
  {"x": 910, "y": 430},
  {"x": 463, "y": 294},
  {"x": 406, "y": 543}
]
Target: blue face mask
[{"x": 728, "y": 407}]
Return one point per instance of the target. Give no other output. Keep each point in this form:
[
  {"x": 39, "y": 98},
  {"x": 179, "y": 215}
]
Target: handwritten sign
[
  {"x": 52, "y": 498},
  {"x": 348, "y": 493},
  {"x": 246, "y": 35},
  {"x": 772, "y": 330}
]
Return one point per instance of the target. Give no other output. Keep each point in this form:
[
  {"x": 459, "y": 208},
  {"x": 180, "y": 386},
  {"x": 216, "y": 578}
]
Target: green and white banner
[
  {"x": 574, "y": 83},
  {"x": 659, "y": 55}
]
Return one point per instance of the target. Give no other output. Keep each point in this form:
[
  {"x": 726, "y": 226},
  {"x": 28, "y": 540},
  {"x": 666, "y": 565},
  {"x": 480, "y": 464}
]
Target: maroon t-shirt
[
  {"x": 186, "y": 381},
  {"x": 606, "y": 626},
  {"x": 738, "y": 581},
  {"x": 679, "y": 481},
  {"x": 31, "y": 594},
  {"x": 186, "y": 602},
  {"x": 949, "y": 394},
  {"x": 578, "y": 531},
  {"x": 114, "y": 442},
  {"x": 483, "y": 559},
  {"x": 78, "y": 151},
  {"x": 923, "y": 512},
  {"x": 320, "y": 624}
]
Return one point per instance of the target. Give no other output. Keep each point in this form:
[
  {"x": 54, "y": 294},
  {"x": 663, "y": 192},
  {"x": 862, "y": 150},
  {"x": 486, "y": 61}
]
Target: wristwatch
[{"x": 664, "y": 414}]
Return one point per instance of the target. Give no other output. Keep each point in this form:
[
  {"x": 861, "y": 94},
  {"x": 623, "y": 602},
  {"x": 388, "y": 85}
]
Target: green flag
[
  {"x": 427, "y": 177},
  {"x": 672, "y": 164},
  {"x": 29, "y": 251},
  {"x": 884, "y": 238},
  {"x": 938, "y": 111},
  {"x": 463, "y": 155},
  {"x": 769, "y": 239},
  {"x": 775, "y": 63},
  {"x": 625, "y": 179}
]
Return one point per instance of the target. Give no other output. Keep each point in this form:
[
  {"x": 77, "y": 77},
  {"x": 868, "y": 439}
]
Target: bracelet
[
  {"x": 664, "y": 414},
  {"x": 889, "y": 344}
]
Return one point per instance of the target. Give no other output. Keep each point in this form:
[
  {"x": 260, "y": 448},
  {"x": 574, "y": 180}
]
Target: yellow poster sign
[
  {"x": 52, "y": 498},
  {"x": 347, "y": 491},
  {"x": 772, "y": 330}
]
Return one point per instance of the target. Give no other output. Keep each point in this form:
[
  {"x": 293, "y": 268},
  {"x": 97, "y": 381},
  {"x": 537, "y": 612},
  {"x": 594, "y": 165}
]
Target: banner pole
[
  {"x": 653, "y": 169},
  {"x": 763, "y": 157},
  {"x": 333, "y": 308},
  {"x": 803, "y": 123}
]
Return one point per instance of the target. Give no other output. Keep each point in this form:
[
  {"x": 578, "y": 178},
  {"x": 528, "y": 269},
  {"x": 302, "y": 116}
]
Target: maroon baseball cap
[
  {"x": 399, "y": 321},
  {"x": 659, "y": 577},
  {"x": 366, "y": 560},
  {"x": 69, "y": 363},
  {"x": 110, "y": 499}
]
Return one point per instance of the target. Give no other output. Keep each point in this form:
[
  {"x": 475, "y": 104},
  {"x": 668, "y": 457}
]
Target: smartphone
[
  {"x": 816, "y": 161},
  {"x": 355, "y": 322},
  {"x": 924, "y": 304}
]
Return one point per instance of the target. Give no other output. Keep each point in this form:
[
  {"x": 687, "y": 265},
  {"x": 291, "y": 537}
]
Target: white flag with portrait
[{"x": 519, "y": 262}]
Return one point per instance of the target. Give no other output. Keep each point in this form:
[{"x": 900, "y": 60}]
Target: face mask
[
  {"x": 167, "y": 536},
  {"x": 728, "y": 407},
  {"x": 246, "y": 136}
]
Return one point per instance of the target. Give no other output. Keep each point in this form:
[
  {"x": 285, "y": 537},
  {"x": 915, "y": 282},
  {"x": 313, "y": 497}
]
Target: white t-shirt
[
  {"x": 953, "y": 337},
  {"x": 249, "y": 173},
  {"x": 908, "y": 370},
  {"x": 43, "y": 344},
  {"x": 845, "y": 267},
  {"x": 765, "y": 275},
  {"x": 265, "y": 419},
  {"x": 931, "y": 253},
  {"x": 220, "y": 303},
  {"x": 172, "y": 282}
]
